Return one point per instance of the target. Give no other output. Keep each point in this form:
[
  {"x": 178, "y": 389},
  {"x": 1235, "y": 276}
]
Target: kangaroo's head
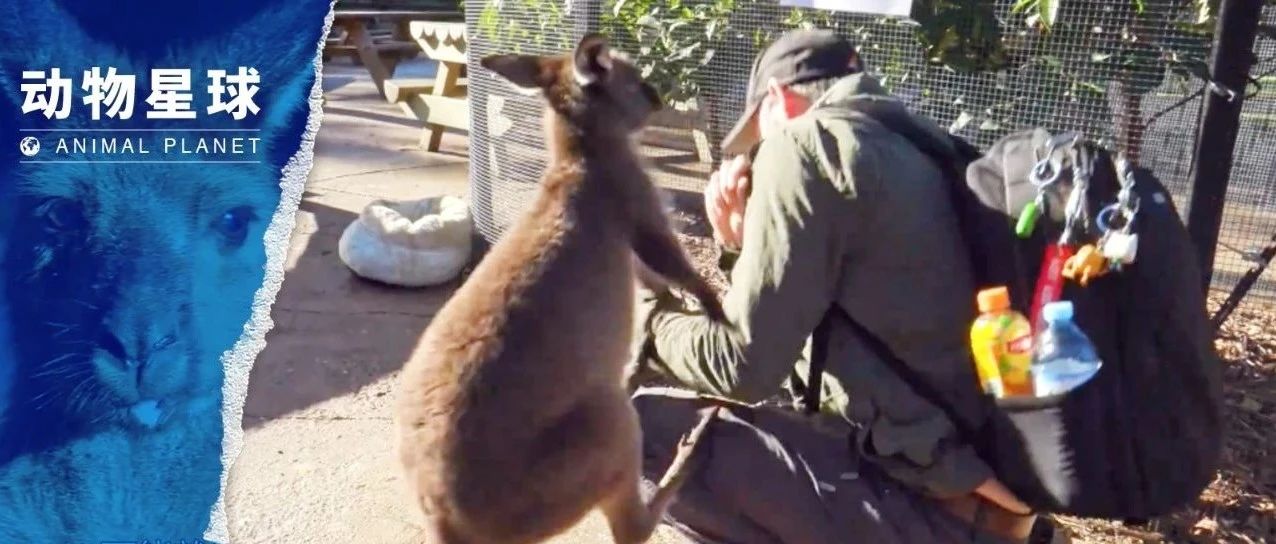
[
  {"x": 130, "y": 283},
  {"x": 594, "y": 88},
  {"x": 127, "y": 283}
]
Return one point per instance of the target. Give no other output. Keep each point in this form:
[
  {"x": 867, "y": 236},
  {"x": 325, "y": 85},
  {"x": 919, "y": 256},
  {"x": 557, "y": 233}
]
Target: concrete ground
[{"x": 316, "y": 464}]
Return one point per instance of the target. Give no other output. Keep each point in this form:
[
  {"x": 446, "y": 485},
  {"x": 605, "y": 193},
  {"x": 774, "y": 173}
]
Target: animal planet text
[{"x": 170, "y": 98}]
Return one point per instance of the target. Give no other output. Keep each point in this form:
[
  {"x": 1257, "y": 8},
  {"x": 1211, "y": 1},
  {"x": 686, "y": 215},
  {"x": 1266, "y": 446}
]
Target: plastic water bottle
[{"x": 1064, "y": 357}]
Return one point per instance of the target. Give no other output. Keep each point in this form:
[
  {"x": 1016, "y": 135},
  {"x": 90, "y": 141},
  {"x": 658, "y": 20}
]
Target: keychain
[
  {"x": 1028, "y": 217},
  {"x": 1087, "y": 264},
  {"x": 1049, "y": 286},
  {"x": 1076, "y": 212},
  {"x": 1120, "y": 246},
  {"x": 1049, "y": 280},
  {"x": 1044, "y": 173}
]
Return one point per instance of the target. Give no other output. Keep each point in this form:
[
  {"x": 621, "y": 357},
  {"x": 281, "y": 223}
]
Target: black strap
[
  {"x": 819, "y": 358},
  {"x": 968, "y": 212},
  {"x": 812, "y": 391},
  {"x": 955, "y": 175}
]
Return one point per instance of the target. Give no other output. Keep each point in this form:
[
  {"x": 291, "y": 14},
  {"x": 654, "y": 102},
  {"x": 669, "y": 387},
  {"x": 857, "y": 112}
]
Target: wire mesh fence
[
  {"x": 1249, "y": 216},
  {"x": 1128, "y": 73}
]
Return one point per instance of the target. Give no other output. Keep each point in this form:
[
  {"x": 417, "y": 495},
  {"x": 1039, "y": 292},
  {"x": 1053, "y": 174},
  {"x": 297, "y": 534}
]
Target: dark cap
[{"x": 797, "y": 57}]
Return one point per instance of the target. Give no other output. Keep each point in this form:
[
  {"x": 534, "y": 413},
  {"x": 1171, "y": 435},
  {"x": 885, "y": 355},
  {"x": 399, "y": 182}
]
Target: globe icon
[{"x": 29, "y": 146}]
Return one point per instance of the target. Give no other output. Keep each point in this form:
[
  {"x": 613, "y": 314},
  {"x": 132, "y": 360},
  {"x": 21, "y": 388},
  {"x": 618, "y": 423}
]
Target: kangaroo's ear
[
  {"x": 527, "y": 72},
  {"x": 593, "y": 61},
  {"x": 42, "y": 21}
]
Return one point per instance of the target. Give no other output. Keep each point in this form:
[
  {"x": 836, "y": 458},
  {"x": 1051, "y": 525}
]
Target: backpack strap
[
  {"x": 965, "y": 203},
  {"x": 879, "y": 349},
  {"x": 814, "y": 387}
]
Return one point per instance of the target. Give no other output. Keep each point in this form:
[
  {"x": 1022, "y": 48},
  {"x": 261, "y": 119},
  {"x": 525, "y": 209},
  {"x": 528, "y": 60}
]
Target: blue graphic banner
[{"x": 151, "y": 159}]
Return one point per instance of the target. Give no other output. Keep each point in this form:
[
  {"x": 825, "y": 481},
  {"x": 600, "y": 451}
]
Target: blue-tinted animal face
[
  {"x": 128, "y": 283},
  {"x": 131, "y": 284}
]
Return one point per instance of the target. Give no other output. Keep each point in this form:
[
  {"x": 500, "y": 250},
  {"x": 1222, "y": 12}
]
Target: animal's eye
[
  {"x": 62, "y": 214},
  {"x": 233, "y": 224}
]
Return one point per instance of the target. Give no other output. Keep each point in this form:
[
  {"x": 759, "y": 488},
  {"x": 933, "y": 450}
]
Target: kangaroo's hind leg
[
  {"x": 631, "y": 519},
  {"x": 440, "y": 531}
]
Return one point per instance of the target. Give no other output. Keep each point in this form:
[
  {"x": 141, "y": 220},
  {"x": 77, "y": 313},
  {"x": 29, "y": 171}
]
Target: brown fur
[{"x": 513, "y": 421}]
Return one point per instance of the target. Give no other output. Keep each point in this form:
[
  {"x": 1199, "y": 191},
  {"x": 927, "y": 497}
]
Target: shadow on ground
[{"x": 334, "y": 332}]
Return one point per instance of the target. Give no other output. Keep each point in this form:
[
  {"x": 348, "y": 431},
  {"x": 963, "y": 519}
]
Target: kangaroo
[
  {"x": 513, "y": 422},
  {"x": 125, "y": 284}
]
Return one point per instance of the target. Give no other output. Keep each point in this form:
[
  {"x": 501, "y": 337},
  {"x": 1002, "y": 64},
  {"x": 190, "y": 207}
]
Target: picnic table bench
[
  {"x": 379, "y": 50},
  {"x": 440, "y": 102}
]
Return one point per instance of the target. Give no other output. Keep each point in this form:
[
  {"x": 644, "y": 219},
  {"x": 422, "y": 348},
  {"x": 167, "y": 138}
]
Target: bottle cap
[
  {"x": 1058, "y": 311},
  {"x": 993, "y": 299}
]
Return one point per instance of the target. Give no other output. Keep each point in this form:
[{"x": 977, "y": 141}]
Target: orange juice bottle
[{"x": 1001, "y": 342}]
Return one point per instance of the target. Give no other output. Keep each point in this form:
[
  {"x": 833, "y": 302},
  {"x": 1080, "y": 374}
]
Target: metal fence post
[
  {"x": 1230, "y": 64},
  {"x": 479, "y": 170}
]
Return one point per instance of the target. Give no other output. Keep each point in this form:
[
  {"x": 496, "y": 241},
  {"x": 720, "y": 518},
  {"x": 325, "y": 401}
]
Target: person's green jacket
[{"x": 843, "y": 211}]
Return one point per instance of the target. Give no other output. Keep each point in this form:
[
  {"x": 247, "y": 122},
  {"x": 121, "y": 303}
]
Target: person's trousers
[{"x": 771, "y": 476}]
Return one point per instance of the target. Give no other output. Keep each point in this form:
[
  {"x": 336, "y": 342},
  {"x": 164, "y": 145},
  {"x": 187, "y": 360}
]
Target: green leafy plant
[
  {"x": 1138, "y": 49},
  {"x": 675, "y": 40},
  {"x": 546, "y": 32},
  {"x": 963, "y": 35},
  {"x": 975, "y": 64}
]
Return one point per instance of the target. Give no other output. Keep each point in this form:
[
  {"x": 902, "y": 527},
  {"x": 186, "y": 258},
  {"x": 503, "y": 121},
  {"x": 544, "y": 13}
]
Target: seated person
[{"x": 840, "y": 211}]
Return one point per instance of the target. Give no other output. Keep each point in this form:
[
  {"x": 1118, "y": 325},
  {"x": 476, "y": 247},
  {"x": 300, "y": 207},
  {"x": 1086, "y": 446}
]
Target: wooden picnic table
[
  {"x": 440, "y": 102},
  {"x": 378, "y": 53}
]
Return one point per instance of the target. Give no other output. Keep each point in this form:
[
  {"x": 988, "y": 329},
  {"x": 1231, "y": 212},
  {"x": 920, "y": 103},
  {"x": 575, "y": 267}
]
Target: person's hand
[
  {"x": 725, "y": 197},
  {"x": 996, "y": 492}
]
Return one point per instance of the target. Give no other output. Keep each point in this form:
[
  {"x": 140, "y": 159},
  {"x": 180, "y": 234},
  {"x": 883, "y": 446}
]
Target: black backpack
[{"x": 1143, "y": 436}]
